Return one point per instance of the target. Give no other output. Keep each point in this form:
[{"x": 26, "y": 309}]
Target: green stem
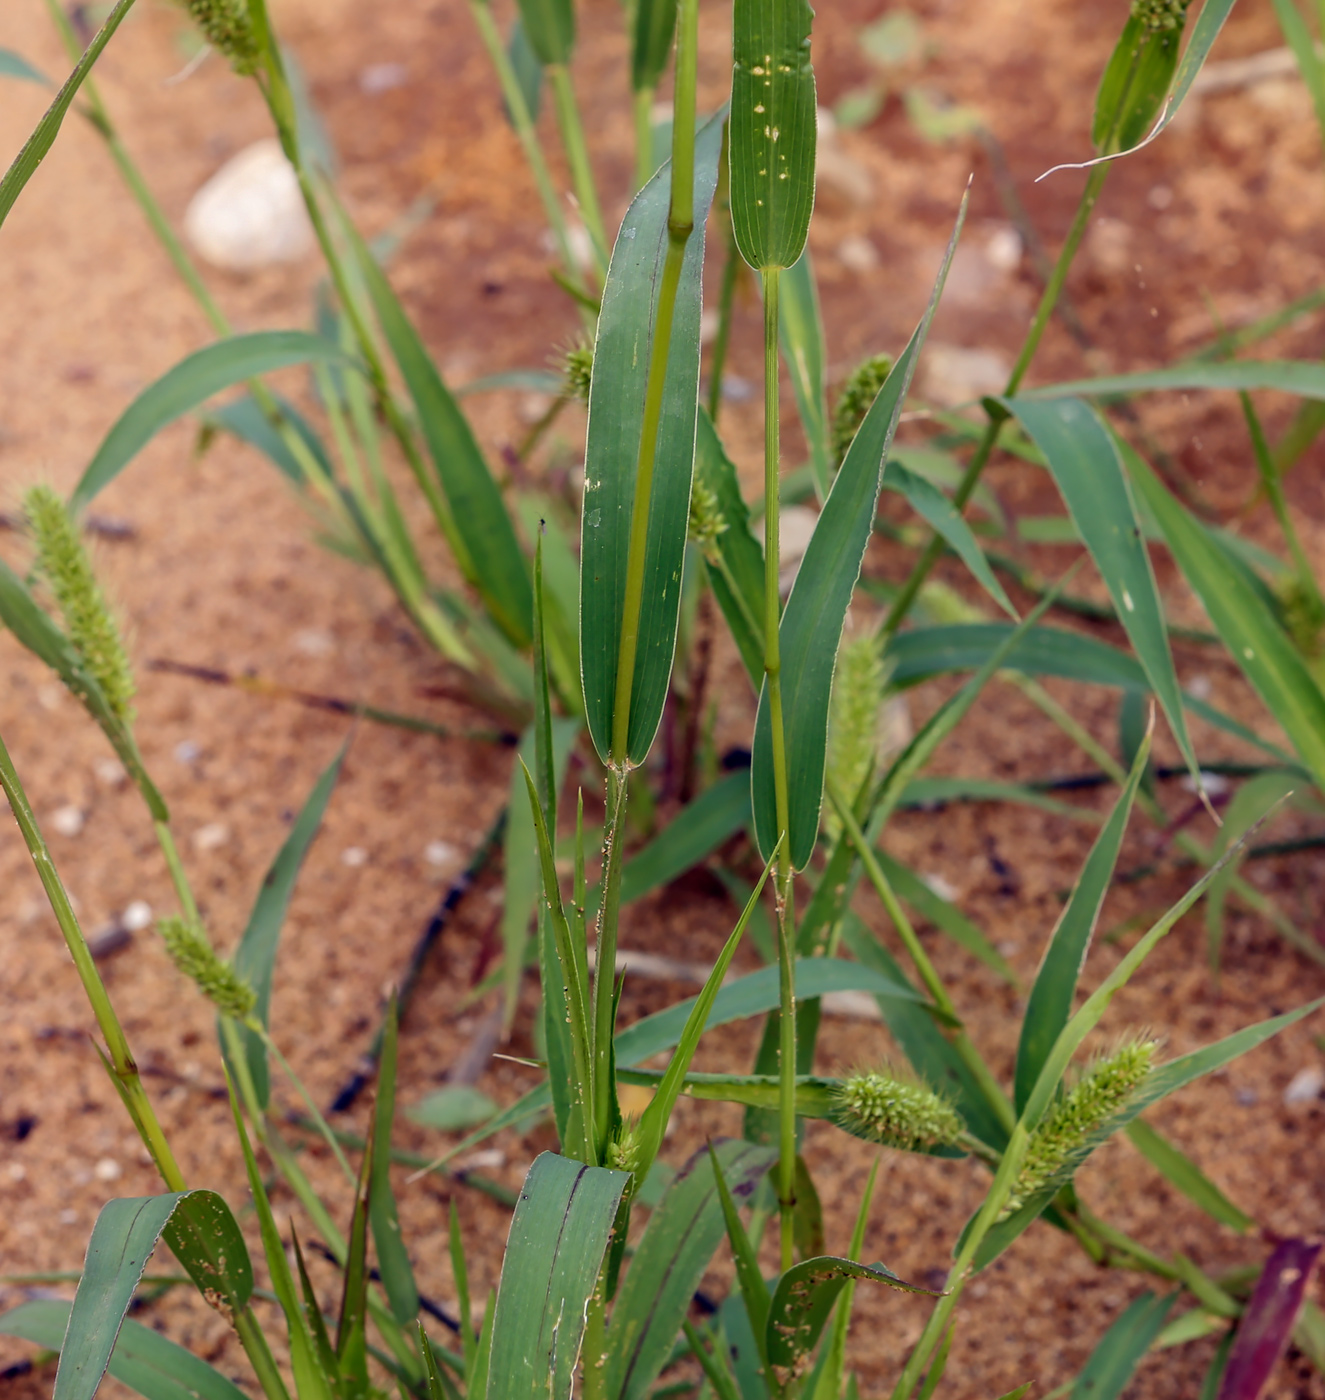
[
  {"x": 604, "y": 975},
  {"x": 253, "y": 1341},
  {"x": 178, "y": 877},
  {"x": 731, "y": 271},
  {"x": 984, "y": 449},
  {"x": 577, "y": 157},
  {"x": 642, "y": 107}
]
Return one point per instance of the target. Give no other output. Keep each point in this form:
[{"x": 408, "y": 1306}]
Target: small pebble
[
  {"x": 110, "y": 771},
  {"x": 109, "y": 940},
  {"x": 354, "y": 857},
  {"x": 50, "y": 697},
  {"x": 1004, "y": 248},
  {"x": 137, "y": 915},
  {"x": 107, "y": 1169},
  {"x": 250, "y": 214},
  {"x": 68, "y": 1217},
  {"x": 314, "y": 642},
  {"x": 857, "y": 254},
  {"x": 942, "y": 887},
  {"x": 440, "y": 853},
  {"x": 188, "y": 751},
  {"x": 382, "y": 77},
  {"x": 1247, "y": 1097},
  {"x": 1201, "y": 687},
  {"x": 209, "y": 837},
  {"x": 17, "y": 1171},
  {"x": 737, "y": 390},
  {"x": 1304, "y": 1087},
  {"x": 68, "y": 821},
  {"x": 490, "y": 1157}
]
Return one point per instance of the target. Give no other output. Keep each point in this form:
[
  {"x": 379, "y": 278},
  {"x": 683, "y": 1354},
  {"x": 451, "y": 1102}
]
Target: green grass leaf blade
[
  {"x": 694, "y": 833},
  {"x": 801, "y": 332},
  {"x": 558, "y": 1238},
  {"x": 651, "y": 42},
  {"x": 1113, "y": 1363},
  {"x": 1064, "y": 958},
  {"x": 1255, "y": 640},
  {"x": 144, "y": 1360},
  {"x": 933, "y": 506},
  {"x": 549, "y": 26},
  {"x": 488, "y": 545},
  {"x": 811, "y": 626},
  {"x": 669, "y": 1263},
  {"x": 1298, "y": 36},
  {"x": 43, "y": 137},
  {"x": 14, "y": 65},
  {"x": 1093, "y": 482},
  {"x": 192, "y": 382},
  {"x": 932, "y": 792},
  {"x": 753, "y": 1290},
  {"x": 392, "y": 1258},
  {"x": 243, "y": 419},
  {"x": 122, "y": 1241},
  {"x": 528, "y": 73},
  {"x": 1178, "y": 1169},
  {"x": 1305, "y": 378},
  {"x": 773, "y": 130},
  {"x": 800, "y": 1307},
  {"x": 737, "y": 576},
  {"x": 255, "y": 958},
  {"x": 616, "y": 414}
]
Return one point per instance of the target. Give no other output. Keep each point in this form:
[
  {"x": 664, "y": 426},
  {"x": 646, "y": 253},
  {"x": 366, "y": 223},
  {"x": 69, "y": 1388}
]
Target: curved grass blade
[
  {"x": 801, "y": 1304},
  {"x": 1114, "y": 1361},
  {"x": 773, "y": 130},
  {"x": 144, "y": 1360},
  {"x": 244, "y": 419},
  {"x": 712, "y": 818},
  {"x": 1179, "y": 1170},
  {"x": 549, "y": 26},
  {"x": 528, "y": 74},
  {"x": 934, "y": 507},
  {"x": 1305, "y": 378},
  {"x": 14, "y": 65},
  {"x": 1064, "y": 958},
  {"x": 558, "y": 1238},
  {"x": 207, "y": 1242},
  {"x": 669, "y": 1263},
  {"x": 482, "y": 535},
  {"x": 1089, "y": 471},
  {"x": 43, "y": 137},
  {"x": 801, "y": 332},
  {"x": 1268, "y": 1321},
  {"x": 392, "y": 1258},
  {"x": 191, "y": 382},
  {"x": 255, "y": 958},
  {"x": 616, "y": 414},
  {"x": 651, "y": 42},
  {"x": 737, "y": 569},
  {"x": 936, "y": 792},
  {"x": 1253, "y": 635},
  {"x": 811, "y": 626}
]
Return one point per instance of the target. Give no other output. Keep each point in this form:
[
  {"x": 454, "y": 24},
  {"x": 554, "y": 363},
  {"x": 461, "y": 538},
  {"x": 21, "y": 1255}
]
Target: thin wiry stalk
[{"x": 577, "y": 157}]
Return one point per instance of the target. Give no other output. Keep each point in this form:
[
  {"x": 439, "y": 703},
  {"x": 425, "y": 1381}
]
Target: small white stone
[
  {"x": 110, "y": 771},
  {"x": 354, "y": 857},
  {"x": 481, "y": 1161},
  {"x": 382, "y": 77},
  {"x": 17, "y": 1171},
  {"x": 709, "y": 321},
  {"x": 1200, "y": 687},
  {"x": 50, "y": 696},
  {"x": 209, "y": 837},
  {"x": 250, "y": 214},
  {"x": 1003, "y": 250},
  {"x": 312, "y": 641},
  {"x": 956, "y": 374},
  {"x": 440, "y": 853},
  {"x": 858, "y": 254},
  {"x": 188, "y": 751},
  {"x": 68, "y": 1217},
  {"x": 532, "y": 408},
  {"x": 941, "y": 886},
  {"x": 1304, "y": 1087},
  {"x": 107, "y": 1169},
  {"x": 68, "y": 821},
  {"x": 137, "y": 916},
  {"x": 581, "y": 246}
]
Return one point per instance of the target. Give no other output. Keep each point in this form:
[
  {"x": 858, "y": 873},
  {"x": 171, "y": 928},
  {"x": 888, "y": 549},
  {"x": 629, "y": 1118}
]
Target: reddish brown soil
[{"x": 221, "y": 571}]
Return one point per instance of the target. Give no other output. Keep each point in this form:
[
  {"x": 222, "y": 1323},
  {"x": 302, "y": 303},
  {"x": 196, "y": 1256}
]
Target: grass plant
[{"x": 662, "y": 516}]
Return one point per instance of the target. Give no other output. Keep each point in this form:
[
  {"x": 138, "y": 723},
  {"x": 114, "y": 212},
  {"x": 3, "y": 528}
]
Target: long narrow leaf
[
  {"x": 1179, "y": 1170},
  {"x": 1268, "y": 1321},
  {"x": 392, "y": 1257},
  {"x": 1113, "y": 1363},
  {"x": 801, "y": 332},
  {"x": 1305, "y": 378}
]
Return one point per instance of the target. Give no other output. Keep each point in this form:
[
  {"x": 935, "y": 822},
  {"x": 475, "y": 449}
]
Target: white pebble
[
  {"x": 354, "y": 857},
  {"x": 137, "y": 916},
  {"x": 314, "y": 642},
  {"x": 857, "y": 254},
  {"x": 1305, "y": 1086},
  {"x": 107, "y": 1169},
  {"x": 17, "y": 1171},
  {"x": 68, "y": 1217},
  {"x": 68, "y": 821},
  {"x": 250, "y": 214},
  {"x": 1003, "y": 250},
  {"x": 209, "y": 837},
  {"x": 942, "y": 887},
  {"x": 382, "y": 77},
  {"x": 110, "y": 771},
  {"x": 188, "y": 751},
  {"x": 440, "y": 853}
]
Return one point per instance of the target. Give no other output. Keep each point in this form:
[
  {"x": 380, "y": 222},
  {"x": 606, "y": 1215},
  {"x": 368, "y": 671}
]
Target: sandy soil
[{"x": 220, "y": 569}]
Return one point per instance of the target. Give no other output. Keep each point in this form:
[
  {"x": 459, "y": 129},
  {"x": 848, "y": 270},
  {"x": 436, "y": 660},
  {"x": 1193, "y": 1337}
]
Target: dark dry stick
[
  {"x": 461, "y": 886},
  {"x": 258, "y": 685}
]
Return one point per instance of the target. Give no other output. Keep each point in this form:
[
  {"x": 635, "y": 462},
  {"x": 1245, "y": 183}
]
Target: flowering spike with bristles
[
  {"x": 855, "y": 719},
  {"x": 707, "y": 521},
  {"x": 624, "y": 1149},
  {"x": 577, "y": 372},
  {"x": 226, "y": 26},
  {"x": 195, "y": 957},
  {"x": 858, "y": 393},
  {"x": 1160, "y": 14},
  {"x": 885, "y": 1108},
  {"x": 92, "y": 628},
  {"x": 1106, "y": 1087}
]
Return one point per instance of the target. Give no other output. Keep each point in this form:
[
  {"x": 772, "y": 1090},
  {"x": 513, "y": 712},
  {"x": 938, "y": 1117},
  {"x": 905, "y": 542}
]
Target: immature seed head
[
  {"x": 858, "y": 393},
  {"x": 707, "y": 521},
  {"x": 226, "y": 26},
  {"x": 1303, "y": 619},
  {"x": 855, "y": 719},
  {"x": 92, "y": 628},
  {"x": 195, "y": 957},
  {"x": 1106, "y": 1087},
  {"x": 1160, "y": 14},
  {"x": 623, "y": 1150},
  {"x": 903, "y": 1113},
  {"x": 577, "y": 371}
]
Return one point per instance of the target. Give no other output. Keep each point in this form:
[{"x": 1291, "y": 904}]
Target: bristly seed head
[
  {"x": 577, "y": 371},
  {"x": 855, "y": 719},
  {"x": 1161, "y": 14},
  {"x": 1303, "y": 619},
  {"x": 623, "y": 1150},
  {"x": 226, "y": 26},
  {"x": 195, "y": 957},
  {"x": 707, "y": 521},
  {"x": 1106, "y": 1087},
  {"x": 92, "y": 628},
  {"x": 896, "y": 1112},
  {"x": 858, "y": 393}
]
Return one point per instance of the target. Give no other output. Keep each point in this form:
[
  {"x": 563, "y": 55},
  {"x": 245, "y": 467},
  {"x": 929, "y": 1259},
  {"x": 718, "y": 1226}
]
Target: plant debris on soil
[{"x": 213, "y": 564}]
